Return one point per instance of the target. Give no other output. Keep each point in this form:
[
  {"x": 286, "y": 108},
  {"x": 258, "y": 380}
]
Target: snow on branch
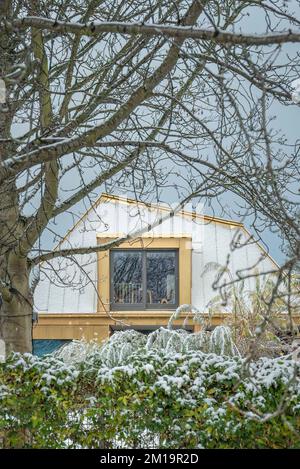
[{"x": 180, "y": 32}]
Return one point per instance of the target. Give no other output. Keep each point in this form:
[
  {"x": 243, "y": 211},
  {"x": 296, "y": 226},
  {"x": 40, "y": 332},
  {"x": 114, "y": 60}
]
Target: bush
[
  {"x": 154, "y": 398},
  {"x": 261, "y": 319}
]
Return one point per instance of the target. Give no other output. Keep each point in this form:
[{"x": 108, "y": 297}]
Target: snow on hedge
[{"x": 165, "y": 390}]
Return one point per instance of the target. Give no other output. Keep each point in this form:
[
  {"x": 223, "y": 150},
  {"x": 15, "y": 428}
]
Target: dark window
[
  {"x": 144, "y": 279},
  {"x": 146, "y": 329}
]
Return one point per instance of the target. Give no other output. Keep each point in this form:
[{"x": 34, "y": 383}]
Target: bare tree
[{"x": 134, "y": 93}]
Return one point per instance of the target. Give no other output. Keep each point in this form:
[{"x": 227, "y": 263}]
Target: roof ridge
[
  {"x": 162, "y": 207},
  {"x": 107, "y": 196}
]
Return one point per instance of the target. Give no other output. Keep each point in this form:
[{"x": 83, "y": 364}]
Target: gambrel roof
[{"x": 104, "y": 197}]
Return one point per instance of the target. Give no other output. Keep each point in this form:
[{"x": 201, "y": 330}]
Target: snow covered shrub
[
  {"x": 188, "y": 311},
  {"x": 77, "y": 351},
  {"x": 255, "y": 324},
  {"x": 180, "y": 340},
  {"x": 156, "y": 398},
  {"x": 122, "y": 344},
  {"x": 221, "y": 342}
]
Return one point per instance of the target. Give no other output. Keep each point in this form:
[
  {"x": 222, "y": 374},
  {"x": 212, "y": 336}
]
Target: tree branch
[
  {"x": 90, "y": 137},
  {"x": 36, "y": 224},
  {"x": 179, "y": 32},
  {"x": 111, "y": 244}
]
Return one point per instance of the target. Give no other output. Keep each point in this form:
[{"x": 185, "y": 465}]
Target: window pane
[
  {"x": 161, "y": 283},
  {"x": 127, "y": 277}
]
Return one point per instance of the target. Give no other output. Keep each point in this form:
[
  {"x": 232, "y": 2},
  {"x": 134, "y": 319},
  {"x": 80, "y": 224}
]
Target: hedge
[{"x": 154, "y": 399}]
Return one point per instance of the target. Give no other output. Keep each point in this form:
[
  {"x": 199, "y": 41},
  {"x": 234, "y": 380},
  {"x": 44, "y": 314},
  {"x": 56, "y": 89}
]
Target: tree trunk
[{"x": 16, "y": 310}]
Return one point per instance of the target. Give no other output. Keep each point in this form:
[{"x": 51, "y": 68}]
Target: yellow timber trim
[
  {"x": 90, "y": 326},
  {"x": 185, "y": 265},
  {"x": 97, "y": 326}
]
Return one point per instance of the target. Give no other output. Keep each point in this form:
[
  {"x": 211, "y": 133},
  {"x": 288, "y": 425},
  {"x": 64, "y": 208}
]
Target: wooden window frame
[
  {"x": 144, "y": 306},
  {"x": 181, "y": 242}
]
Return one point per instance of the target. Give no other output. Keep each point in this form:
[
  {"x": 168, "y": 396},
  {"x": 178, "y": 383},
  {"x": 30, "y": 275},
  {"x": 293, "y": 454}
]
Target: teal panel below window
[{"x": 42, "y": 347}]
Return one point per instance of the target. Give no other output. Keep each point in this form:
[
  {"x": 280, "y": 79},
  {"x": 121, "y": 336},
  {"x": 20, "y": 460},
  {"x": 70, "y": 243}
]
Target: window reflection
[
  {"x": 161, "y": 277},
  {"x": 145, "y": 278},
  {"x": 127, "y": 277}
]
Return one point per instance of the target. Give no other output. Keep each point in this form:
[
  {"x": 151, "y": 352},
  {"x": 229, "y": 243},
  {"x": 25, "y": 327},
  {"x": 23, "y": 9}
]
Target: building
[{"x": 140, "y": 282}]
